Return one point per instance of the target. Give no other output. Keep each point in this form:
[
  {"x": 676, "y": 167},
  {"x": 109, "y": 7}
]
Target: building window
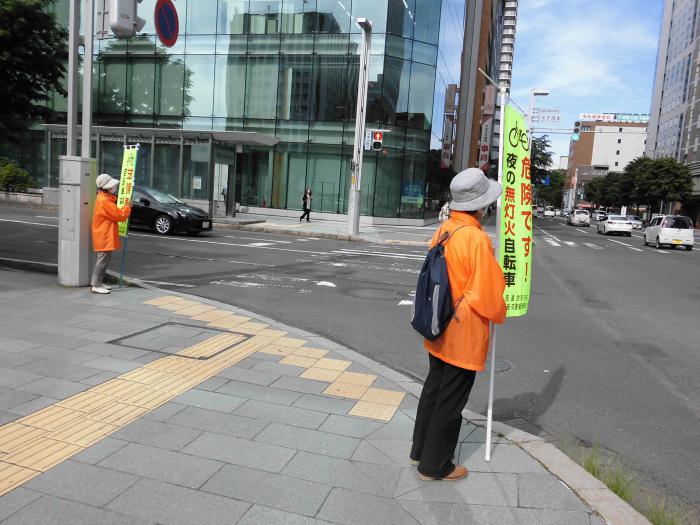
[
  {"x": 620, "y": 130},
  {"x": 617, "y": 164},
  {"x": 617, "y": 152},
  {"x": 619, "y": 141}
]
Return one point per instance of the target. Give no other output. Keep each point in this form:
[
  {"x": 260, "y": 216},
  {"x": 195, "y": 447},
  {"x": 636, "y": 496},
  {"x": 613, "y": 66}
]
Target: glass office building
[{"x": 287, "y": 69}]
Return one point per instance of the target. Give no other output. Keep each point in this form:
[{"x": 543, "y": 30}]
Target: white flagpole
[{"x": 492, "y": 341}]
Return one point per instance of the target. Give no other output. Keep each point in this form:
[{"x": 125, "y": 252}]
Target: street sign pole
[
  {"x": 356, "y": 166},
  {"x": 496, "y": 246}
]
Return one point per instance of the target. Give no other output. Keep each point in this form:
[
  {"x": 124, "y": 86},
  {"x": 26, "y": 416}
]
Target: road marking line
[
  {"x": 547, "y": 233},
  {"x": 405, "y": 302},
  {"x": 261, "y": 244},
  {"x": 257, "y": 239},
  {"x": 635, "y": 249},
  {"x": 661, "y": 251},
  {"x": 571, "y": 243},
  {"x": 552, "y": 242},
  {"x": 582, "y": 231},
  {"x": 594, "y": 246},
  {"x": 46, "y": 217},
  {"x": 166, "y": 283},
  {"x": 29, "y": 222},
  {"x": 619, "y": 242}
]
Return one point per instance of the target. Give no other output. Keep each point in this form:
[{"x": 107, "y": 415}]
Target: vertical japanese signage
[
  {"x": 126, "y": 183},
  {"x": 515, "y": 254}
]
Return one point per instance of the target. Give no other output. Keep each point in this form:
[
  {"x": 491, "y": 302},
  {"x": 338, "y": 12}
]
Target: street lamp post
[{"x": 356, "y": 165}]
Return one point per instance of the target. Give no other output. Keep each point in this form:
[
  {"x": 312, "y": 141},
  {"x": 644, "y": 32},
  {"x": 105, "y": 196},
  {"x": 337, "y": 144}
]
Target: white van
[{"x": 672, "y": 230}]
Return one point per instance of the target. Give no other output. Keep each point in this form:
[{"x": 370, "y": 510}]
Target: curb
[{"x": 593, "y": 492}]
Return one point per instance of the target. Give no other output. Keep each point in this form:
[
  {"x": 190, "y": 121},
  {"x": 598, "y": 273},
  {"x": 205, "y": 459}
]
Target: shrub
[{"x": 14, "y": 178}]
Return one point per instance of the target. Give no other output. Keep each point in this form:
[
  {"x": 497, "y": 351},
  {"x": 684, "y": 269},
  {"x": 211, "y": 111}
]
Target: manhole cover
[
  {"x": 373, "y": 293},
  {"x": 502, "y": 365},
  {"x": 195, "y": 342}
]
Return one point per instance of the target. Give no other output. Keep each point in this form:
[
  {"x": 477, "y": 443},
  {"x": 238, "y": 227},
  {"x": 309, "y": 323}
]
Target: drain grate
[{"x": 190, "y": 341}]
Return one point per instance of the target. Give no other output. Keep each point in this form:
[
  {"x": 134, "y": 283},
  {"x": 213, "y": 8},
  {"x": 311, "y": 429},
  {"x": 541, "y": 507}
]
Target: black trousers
[
  {"x": 439, "y": 418},
  {"x": 307, "y": 212}
]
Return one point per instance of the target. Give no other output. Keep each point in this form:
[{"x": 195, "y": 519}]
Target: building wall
[
  {"x": 616, "y": 145},
  {"x": 289, "y": 68}
]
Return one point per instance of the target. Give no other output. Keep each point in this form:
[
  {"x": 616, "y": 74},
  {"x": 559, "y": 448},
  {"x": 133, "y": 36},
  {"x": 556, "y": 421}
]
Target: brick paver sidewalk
[{"x": 150, "y": 407}]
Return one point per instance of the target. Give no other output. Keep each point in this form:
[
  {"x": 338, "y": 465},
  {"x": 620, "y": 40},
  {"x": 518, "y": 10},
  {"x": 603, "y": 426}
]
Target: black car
[{"x": 165, "y": 213}]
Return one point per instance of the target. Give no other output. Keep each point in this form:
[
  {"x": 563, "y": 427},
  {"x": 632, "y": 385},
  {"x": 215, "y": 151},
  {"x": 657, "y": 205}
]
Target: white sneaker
[{"x": 100, "y": 289}]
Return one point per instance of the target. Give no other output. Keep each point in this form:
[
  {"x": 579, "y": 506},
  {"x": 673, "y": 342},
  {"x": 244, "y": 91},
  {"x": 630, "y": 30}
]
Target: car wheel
[
  {"x": 629, "y": 234},
  {"x": 658, "y": 244},
  {"x": 645, "y": 240},
  {"x": 689, "y": 248},
  {"x": 163, "y": 225}
]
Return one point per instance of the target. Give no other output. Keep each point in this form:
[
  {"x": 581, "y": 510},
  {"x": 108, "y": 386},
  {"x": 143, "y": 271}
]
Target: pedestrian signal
[{"x": 377, "y": 139}]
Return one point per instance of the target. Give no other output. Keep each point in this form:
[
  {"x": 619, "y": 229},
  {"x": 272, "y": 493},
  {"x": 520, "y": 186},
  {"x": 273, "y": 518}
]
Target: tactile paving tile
[
  {"x": 12, "y": 476},
  {"x": 212, "y": 346},
  {"x": 41, "y": 454},
  {"x": 333, "y": 364},
  {"x": 357, "y": 378},
  {"x": 384, "y": 397},
  {"x": 373, "y": 410},
  {"x": 212, "y": 315},
  {"x": 166, "y": 299},
  {"x": 86, "y": 401},
  {"x": 228, "y": 322},
  {"x": 297, "y": 360},
  {"x": 195, "y": 310},
  {"x": 14, "y": 436},
  {"x": 345, "y": 390},
  {"x": 179, "y": 305},
  {"x": 310, "y": 352},
  {"x": 250, "y": 327},
  {"x": 119, "y": 414},
  {"x": 51, "y": 418},
  {"x": 83, "y": 432},
  {"x": 290, "y": 341},
  {"x": 320, "y": 374}
]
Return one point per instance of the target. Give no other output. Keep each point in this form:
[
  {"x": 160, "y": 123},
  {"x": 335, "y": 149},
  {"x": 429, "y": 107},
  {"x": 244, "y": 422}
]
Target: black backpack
[{"x": 432, "y": 306}]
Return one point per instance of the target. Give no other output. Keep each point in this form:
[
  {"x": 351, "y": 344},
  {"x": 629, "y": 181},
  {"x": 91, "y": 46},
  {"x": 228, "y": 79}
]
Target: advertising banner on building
[
  {"x": 126, "y": 183},
  {"x": 485, "y": 144},
  {"x": 515, "y": 254},
  {"x": 447, "y": 134}
]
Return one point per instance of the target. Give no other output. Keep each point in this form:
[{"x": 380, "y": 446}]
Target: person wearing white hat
[
  {"x": 477, "y": 285},
  {"x": 105, "y": 228}
]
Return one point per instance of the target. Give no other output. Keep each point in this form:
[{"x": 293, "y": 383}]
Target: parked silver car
[{"x": 636, "y": 222}]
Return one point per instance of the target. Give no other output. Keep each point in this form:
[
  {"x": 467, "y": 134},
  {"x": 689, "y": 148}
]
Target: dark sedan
[{"x": 164, "y": 213}]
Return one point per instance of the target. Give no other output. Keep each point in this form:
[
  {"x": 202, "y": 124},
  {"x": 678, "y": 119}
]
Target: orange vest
[
  {"x": 105, "y": 230},
  {"x": 477, "y": 286}
]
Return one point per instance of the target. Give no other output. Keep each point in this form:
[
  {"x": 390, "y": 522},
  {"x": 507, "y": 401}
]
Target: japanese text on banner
[
  {"x": 126, "y": 183},
  {"x": 515, "y": 254}
]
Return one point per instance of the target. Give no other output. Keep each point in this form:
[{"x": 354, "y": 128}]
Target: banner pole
[
  {"x": 121, "y": 266},
  {"x": 492, "y": 342}
]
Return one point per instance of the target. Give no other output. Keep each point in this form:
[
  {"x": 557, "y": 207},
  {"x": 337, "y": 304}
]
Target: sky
[{"x": 594, "y": 56}]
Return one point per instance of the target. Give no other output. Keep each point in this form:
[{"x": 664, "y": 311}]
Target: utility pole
[
  {"x": 77, "y": 174},
  {"x": 356, "y": 165}
]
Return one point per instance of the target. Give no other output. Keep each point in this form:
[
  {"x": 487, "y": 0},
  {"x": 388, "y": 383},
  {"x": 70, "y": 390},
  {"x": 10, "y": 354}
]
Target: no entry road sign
[{"x": 167, "y": 24}]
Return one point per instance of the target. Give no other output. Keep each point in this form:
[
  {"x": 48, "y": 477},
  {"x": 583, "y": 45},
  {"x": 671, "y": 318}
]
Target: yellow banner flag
[
  {"x": 516, "y": 213},
  {"x": 126, "y": 183}
]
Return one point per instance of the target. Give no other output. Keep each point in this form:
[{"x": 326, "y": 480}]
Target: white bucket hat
[
  {"x": 105, "y": 182},
  {"x": 472, "y": 190}
]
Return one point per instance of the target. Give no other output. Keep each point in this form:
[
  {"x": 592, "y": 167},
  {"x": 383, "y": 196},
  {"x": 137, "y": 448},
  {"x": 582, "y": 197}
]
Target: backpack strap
[{"x": 442, "y": 239}]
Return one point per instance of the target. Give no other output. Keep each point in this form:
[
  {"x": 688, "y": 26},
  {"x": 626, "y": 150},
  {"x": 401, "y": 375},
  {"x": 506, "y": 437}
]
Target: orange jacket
[
  {"x": 105, "y": 231},
  {"x": 477, "y": 286}
]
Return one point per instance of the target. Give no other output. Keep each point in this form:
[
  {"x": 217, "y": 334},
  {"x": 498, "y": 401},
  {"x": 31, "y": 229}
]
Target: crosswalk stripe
[
  {"x": 594, "y": 246},
  {"x": 571, "y": 243}
]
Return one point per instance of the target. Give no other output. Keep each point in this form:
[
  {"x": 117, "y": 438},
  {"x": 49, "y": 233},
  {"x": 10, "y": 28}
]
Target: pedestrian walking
[
  {"x": 105, "y": 229},
  {"x": 306, "y": 204},
  {"x": 224, "y": 192},
  {"x": 444, "y": 212},
  {"x": 477, "y": 285}
]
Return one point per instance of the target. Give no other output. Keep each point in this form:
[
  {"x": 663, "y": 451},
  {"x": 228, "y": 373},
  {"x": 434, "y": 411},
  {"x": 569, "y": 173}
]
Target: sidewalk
[
  {"x": 407, "y": 235},
  {"x": 146, "y": 406}
]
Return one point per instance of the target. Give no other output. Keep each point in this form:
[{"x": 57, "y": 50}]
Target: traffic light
[
  {"x": 122, "y": 18},
  {"x": 377, "y": 139},
  {"x": 576, "y": 131}
]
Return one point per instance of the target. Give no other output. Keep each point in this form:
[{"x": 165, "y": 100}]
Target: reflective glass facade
[{"x": 288, "y": 68}]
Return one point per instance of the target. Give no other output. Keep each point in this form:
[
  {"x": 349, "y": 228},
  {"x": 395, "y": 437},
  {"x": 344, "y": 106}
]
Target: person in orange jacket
[
  {"x": 477, "y": 285},
  {"x": 105, "y": 228}
]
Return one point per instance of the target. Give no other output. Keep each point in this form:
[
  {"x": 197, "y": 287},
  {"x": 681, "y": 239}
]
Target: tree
[
  {"x": 665, "y": 181},
  {"x": 14, "y": 178},
  {"x": 552, "y": 193},
  {"x": 32, "y": 55},
  {"x": 540, "y": 159}
]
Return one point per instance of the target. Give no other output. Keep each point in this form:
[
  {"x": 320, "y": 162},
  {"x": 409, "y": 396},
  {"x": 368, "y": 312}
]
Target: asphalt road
[{"x": 608, "y": 352}]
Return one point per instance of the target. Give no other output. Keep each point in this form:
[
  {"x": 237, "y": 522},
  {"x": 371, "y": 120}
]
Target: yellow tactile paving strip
[{"x": 37, "y": 442}]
